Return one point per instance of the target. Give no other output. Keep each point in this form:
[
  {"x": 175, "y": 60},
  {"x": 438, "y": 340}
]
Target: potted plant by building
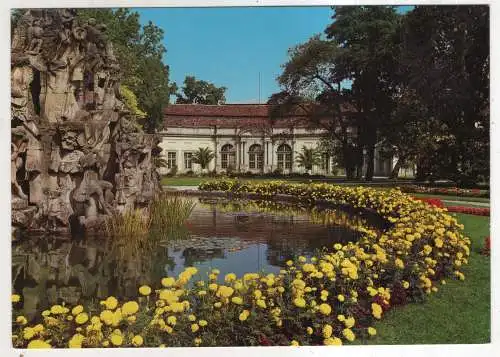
[
  {"x": 203, "y": 157},
  {"x": 307, "y": 158}
]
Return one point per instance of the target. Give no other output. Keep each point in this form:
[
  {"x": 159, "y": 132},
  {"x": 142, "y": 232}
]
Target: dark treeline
[{"x": 414, "y": 84}]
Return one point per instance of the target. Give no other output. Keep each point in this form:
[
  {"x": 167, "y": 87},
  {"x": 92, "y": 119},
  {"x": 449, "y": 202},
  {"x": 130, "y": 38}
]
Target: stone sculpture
[{"x": 76, "y": 153}]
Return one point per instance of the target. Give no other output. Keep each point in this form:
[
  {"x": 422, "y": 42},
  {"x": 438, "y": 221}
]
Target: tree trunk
[
  {"x": 396, "y": 168},
  {"x": 370, "y": 162}
]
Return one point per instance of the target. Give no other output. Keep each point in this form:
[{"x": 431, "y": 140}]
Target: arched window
[
  {"x": 228, "y": 157},
  {"x": 284, "y": 157},
  {"x": 255, "y": 157}
]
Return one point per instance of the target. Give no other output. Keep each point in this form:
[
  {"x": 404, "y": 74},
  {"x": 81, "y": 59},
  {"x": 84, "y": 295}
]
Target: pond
[{"x": 232, "y": 236}]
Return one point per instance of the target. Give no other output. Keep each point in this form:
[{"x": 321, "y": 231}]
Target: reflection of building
[{"x": 243, "y": 139}]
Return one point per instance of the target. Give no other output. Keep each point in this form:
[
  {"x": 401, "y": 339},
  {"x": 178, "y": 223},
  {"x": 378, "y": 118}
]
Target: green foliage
[
  {"x": 170, "y": 212},
  {"x": 129, "y": 224},
  {"x": 130, "y": 100},
  {"x": 200, "y": 92},
  {"x": 308, "y": 158},
  {"x": 139, "y": 50},
  {"x": 203, "y": 157}
]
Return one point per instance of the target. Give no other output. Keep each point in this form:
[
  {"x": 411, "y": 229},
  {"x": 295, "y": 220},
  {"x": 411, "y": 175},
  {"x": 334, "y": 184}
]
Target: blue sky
[{"x": 230, "y": 46}]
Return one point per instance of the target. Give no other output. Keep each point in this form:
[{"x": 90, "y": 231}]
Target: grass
[{"x": 458, "y": 313}]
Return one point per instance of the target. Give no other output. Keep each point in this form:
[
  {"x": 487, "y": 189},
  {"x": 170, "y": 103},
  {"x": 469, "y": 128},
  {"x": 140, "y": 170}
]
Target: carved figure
[
  {"x": 35, "y": 33},
  {"x": 18, "y": 146}
]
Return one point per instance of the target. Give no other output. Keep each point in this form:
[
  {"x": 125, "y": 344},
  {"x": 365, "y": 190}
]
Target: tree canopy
[
  {"x": 416, "y": 85},
  {"x": 197, "y": 91},
  {"x": 139, "y": 50}
]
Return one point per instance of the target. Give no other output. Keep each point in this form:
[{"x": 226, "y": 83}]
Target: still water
[{"x": 233, "y": 236}]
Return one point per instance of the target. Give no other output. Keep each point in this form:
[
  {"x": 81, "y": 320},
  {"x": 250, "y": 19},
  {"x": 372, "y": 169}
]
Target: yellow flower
[
  {"x": 69, "y": 318},
  {"x": 192, "y": 318},
  {"x": 289, "y": 263},
  {"x": 28, "y": 333},
  {"x": 172, "y": 320},
  {"x": 76, "y": 310},
  {"x": 341, "y": 318},
  {"x": 105, "y": 343},
  {"x": 230, "y": 277},
  {"x": 194, "y": 328},
  {"x": 302, "y": 259},
  {"x": 399, "y": 263},
  {"x": 309, "y": 330},
  {"x": 168, "y": 282},
  {"x": 38, "y": 344},
  {"x": 244, "y": 315},
  {"x": 145, "y": 290},
  {"x": 212, "y": 287},
  {"x": 106, "y": 317},
  {"x": 237, "y": 300},
  {"x": 332, "y": 341},
  {"x": 340, "y": 297},
  {"x": 327, "y": 331},
  {"x": 116, "y": 339},
  {"x": 81, "y": 318},
  {"x": 372, "y": 331},
  {"x": 130, "y": 308},
  {"x": 225, "y": 291},
  {"x": 376, "y": 310},
  {"x": 57, "y": 309},
  {"x": 294, "y": 343},
  {"x": 348, "y": 334},
  {"x": 406, "y": 284},
  {"x": 38, "y": 328},
  {"x": 111, "y": 303},
  {"x": 299, "y": 302},
  {"x": 21, "y": 320},
  {"x": 137, "y": 340},
  {"x": 197, "y": 341},
  {"x": 203, "y": 323},
  {"x": 15, "y": 298},
  {"x": 349, "y": 322},
  {"x": 76, "y": 341},
  {"x": 325, "y": 309},
  {"x": 261, "y": 303},
  {"x": 45, "y": 313}
]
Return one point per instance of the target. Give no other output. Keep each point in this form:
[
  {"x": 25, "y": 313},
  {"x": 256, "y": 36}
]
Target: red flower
[
  {"x": 476, "y": 211},
  {"x": 487, "y": 246}
]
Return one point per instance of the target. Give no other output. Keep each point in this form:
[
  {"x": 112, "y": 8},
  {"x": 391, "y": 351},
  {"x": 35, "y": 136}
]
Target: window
[
  {"x": 188, "y": 164},
  {"x": 325, "y": 161},
  {"x": 171, "y": 159},
  {"x": 284, "y": 157},
  {"x": 228, "y": 157},
  {"x": 255, "y": 157}
]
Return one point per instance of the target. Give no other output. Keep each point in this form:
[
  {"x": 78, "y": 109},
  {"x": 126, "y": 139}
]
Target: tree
[
  {"x": 445, "y": 60},
  {"x": 203, "y": 157},
  {"x": 139, "y": 50},
  {"x": 311, "y": 84},
  {"x": 308, "y": 158},
  {"x": 369, "y": 42},
  {"x": 200, "y": 92}
]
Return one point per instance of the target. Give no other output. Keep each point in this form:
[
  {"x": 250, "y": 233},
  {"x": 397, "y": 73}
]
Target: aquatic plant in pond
[
  {"x": 170, "y": 211},
  {"x": 131, "y": 224}
]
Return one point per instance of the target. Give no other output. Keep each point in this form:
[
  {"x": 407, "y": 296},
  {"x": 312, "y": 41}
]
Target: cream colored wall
[{"x": 181, "y": 140}]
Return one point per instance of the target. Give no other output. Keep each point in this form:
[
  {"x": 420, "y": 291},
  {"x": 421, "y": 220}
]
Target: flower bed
[
  {"x": 329, "y": 299},
  {"x": 476, "y": 211},
  {"x": 452, "y": 191}
]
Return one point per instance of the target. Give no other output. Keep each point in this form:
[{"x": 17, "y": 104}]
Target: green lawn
[{"x": 458, "y": 313}]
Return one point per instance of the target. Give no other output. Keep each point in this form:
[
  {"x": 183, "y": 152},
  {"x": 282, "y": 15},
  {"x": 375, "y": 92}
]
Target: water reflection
[{"x": 237, "y": 237}]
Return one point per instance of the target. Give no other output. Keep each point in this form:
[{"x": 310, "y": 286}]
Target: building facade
[{"x": 243, "y": 139}]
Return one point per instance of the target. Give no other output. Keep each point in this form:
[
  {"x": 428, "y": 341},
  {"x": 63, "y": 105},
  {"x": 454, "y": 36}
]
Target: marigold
[
  {"x": 294, "y": 343},
  {"x": 327, "y": 331},
  {"x": 237, "y": 300},
  {"x": 309, "y": 330},
  {"x": 372, "y": 331},
  {"x": 348, "y": 334},
  {"x": 145, "y": 290},
  {"x": 116, "y": 339},
  {"x": 168, "y": 282},
  {"x": 299, "y": 302},
  {"x": 137, "y": 340},
  {"x": 325, "y": 309},
  {"x": 332, "y": 341},
  {"x": 81, "y": 318},
  {"x": 21, "y": 320},
  {"x": 15, "y": 298},
  {"x": 376, "y": 310},
  {"x": 130, "y": 308},
  {"x": 111, "y": 303},
  {"x": 203, "y": 323},
  {"x": 38, "y": 344},
  {"x": 194, "y": 328}
]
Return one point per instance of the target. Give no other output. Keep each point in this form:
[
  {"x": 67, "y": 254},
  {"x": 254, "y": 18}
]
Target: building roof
[{"x": 226, "y": 116}]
